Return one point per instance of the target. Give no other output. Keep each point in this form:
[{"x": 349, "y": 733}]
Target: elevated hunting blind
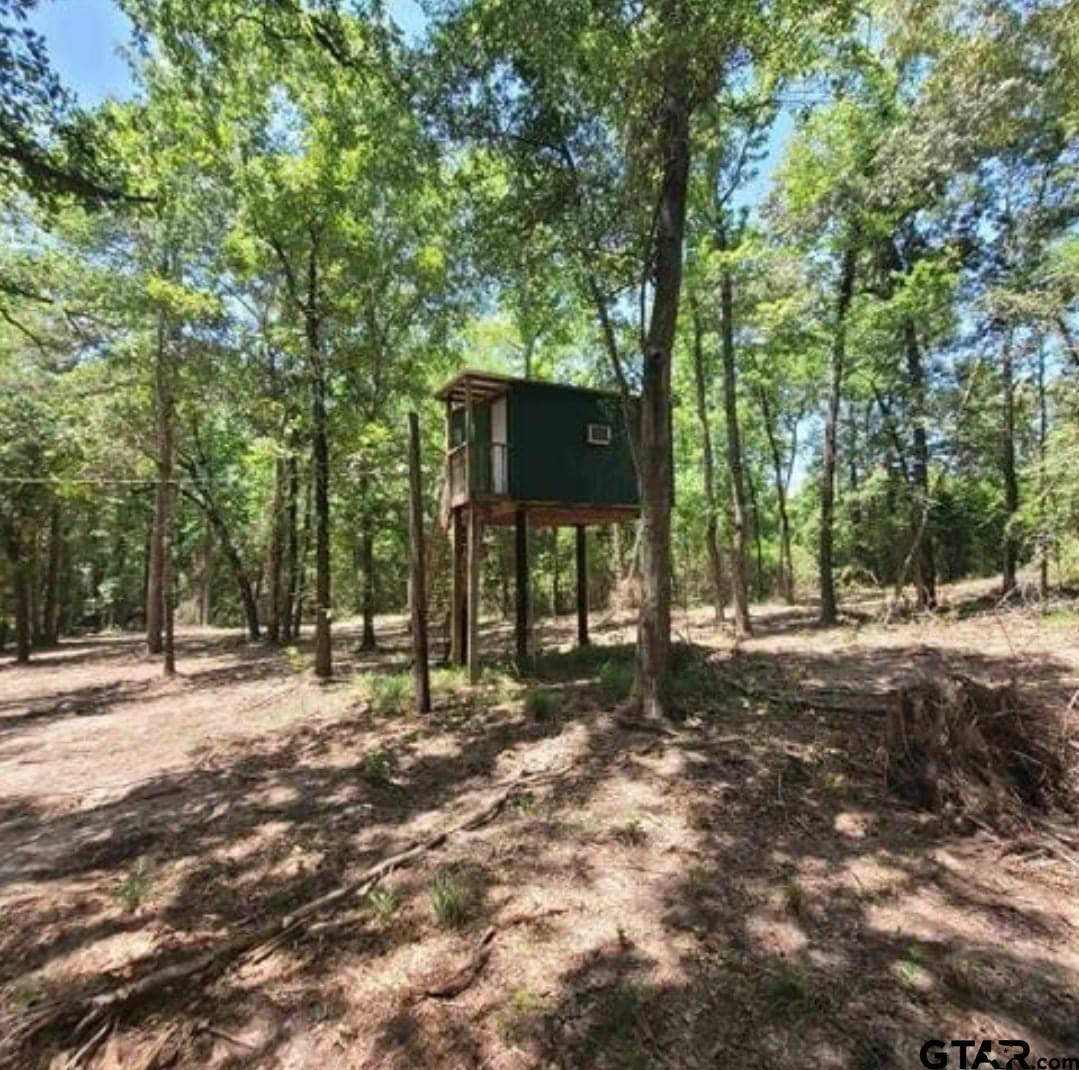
[{"x": 530, "y": 454}]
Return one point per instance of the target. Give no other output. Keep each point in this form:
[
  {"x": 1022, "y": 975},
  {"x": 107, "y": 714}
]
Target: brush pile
[{"x": 958, "y": 746}]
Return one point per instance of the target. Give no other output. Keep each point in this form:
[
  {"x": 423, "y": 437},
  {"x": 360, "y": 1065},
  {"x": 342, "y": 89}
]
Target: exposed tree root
[
  {"x": 94, "y": 1015},
  {"x": 460, "y": 979}
]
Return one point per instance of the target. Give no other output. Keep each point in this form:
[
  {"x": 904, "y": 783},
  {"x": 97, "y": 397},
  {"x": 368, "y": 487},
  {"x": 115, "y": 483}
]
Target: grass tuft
[
  {"x": 787, "y": 992},
  {"x": 385, "y": 693},
  {"x": 794, "y": 898},
  {"x": 616, "y": 680},
  {"x": 452, "y": 898},
  {"x": 540, "y": 705},
  {"x": 133, "y": 889},
  {"x": 384, "y": 902},
  {"x": 378, "y": 766}
]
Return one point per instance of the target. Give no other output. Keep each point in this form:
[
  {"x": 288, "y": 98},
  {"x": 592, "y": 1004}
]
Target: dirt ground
[{"x": 740, "y": 891}]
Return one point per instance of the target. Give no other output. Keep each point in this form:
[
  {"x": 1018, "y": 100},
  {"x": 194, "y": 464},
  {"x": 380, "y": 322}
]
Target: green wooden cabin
[
  {"x": 561, "y": 452},
  {"x": 528, "y": 453}
]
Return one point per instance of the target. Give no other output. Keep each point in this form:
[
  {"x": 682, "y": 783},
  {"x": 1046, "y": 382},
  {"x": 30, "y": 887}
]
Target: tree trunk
[
  {"x": 655, "y": 457},
  {"x": 421, "y": 681},
  {"x": 162, "y": 449},
  {"x": 275, "y": 556},
  {"x": 828, "y": 612},
  {"x": 1011, "y": 480},
  {"x": 786, "y": 564},
  {"x": 207, "y": 593},
  {"x": 739, "y": 541},
  {"x": 20, "y": 584},
  {"x": 203, "y": 497},
  {"x": 51, "y": 600},
  {"x": 305, "y": 550},
  {"x": 758, "y": 541},
  {"x": 368, "y": 640},
  {"x": 1044, "y": 537},
  {"x": 320, "y": 457},
  {"x": 924, "y": 567},
  {"x": 292, "y": 548},
  {"x": 708, "y": 474},
  {"x": 37, "y": 617},
  {"x": 168, "y": 599}
]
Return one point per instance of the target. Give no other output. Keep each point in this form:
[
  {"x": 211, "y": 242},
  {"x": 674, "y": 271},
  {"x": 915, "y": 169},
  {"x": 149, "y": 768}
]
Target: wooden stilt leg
[
  {"x": 475, "y": 563},
  {"x": 520, "y": 521},
  {"x": 582, "y": 587},
  {"x": 458, "y": 631}
]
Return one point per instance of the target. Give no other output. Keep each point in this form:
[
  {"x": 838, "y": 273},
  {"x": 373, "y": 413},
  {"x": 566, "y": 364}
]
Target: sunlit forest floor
[{"x": 742, "y": 890}]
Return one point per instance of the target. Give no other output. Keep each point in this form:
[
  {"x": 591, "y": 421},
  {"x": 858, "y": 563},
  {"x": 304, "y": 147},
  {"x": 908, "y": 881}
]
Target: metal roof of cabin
[{"x": 484, "y": 385}]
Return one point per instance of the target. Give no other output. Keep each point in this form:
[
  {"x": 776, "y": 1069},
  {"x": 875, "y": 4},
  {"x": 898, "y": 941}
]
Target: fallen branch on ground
[{"x": 87, "y": 1012}]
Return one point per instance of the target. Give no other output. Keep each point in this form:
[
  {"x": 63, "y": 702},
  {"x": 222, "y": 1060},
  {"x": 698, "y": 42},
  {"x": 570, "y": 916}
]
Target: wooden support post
[
  {"x": 475, "y": 563},
  {"x": 582, "y": 587},
  {"x": 520, "y": 523},
  {"x": 421, "y": 681},
  {"x": 458, "y": 631}
]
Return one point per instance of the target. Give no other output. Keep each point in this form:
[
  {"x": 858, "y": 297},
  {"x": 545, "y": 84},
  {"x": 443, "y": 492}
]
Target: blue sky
[{"x": 84, "y": 38}]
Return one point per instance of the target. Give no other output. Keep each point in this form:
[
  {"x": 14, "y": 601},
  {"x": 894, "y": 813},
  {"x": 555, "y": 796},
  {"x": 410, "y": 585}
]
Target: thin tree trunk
[
  {"x": 925, "y": 573},
  {"x": 1044, "y": 538},
  {"x": 166, "y": 403},
  {"x": 37, "y": 618},
  {"x": 205, "y": 500},
  {"x": 207, "y": 577},
  {"x": 740, "y": 535},
  {"x": 275, "y": 562},
  {"x": 20, "y": 584},
  {"x": 786, "y": 564},
  {"x": 320, "y": 458},
  {"x": 828, "y": 611},
  {"x": 758, "y": 542},
  {"x": 1011, "y": 481},
  {"x": 368, "y": 640},
  {"x": 292, "y": 548},
  {"x": 305, "y": 550},
  {"x": 162, "y": 440},
  {"x": 168, "y": 595},
  {"x": 51, "y": 609},
  {"x": 421, "y": 682},
  {"x": 708, "y": 474}
]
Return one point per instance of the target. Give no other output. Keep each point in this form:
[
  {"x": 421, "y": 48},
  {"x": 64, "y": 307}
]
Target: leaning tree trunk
[
  {"x": 925, "y": 569},
  {"x": 740, "y": 534},
  {"x": 1011, "y": 480},
  {"x": 204, "y": 498},
  {"x": 655, "y": 469},
  {"x": 828, "y": 612},
  {"x": 708, "y": 473}
]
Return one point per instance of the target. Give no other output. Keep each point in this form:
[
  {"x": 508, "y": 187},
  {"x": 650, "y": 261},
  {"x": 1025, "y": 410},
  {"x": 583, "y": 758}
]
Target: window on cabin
[{"x": 599, "y": 434}]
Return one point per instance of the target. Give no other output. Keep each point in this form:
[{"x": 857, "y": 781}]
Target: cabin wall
[{"x": 550, "y": 458}]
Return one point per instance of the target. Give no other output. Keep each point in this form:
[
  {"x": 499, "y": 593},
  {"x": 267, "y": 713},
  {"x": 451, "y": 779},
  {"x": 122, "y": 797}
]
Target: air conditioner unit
[{"x": 599, "y": 434}]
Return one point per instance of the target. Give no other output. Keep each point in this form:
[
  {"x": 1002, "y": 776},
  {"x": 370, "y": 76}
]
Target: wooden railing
[{"x": 490, "y": 476}]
